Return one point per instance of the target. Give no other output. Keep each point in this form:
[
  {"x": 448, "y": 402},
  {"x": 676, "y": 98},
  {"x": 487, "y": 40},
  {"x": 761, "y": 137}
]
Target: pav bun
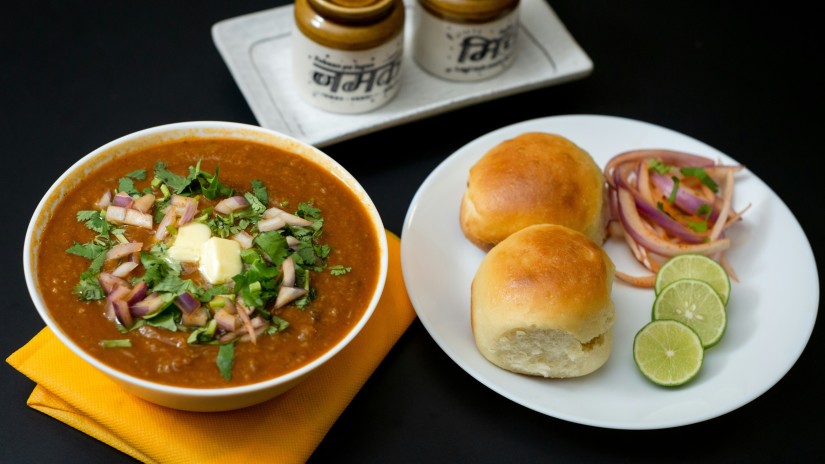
[
  {"x": 540, "y": 303},
  {"x": 534, "y": 178}
]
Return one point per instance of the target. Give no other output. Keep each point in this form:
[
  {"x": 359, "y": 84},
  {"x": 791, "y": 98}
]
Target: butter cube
[
  {"x": 220, "y": 260},
  {"x": 189, "y": 242}
]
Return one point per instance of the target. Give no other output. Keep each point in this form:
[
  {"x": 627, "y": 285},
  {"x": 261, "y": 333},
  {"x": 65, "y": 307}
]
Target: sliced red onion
[
  {"x": 288, "y": 269},
  {"x": 187, "y": 302},
  {"x": 115, "y": 214},
  {"x": 144, "y": 204},
  {"x": 685, "y": 199},
  {"x": 149, "y": 305},
  {"x": 672, "y": 226},
  {"x": 123, "y": 249},
  {"x": 231, "y": 204},
  {"x": 244, "y": 239},
  {"x": 257, "y": 332},
  {"x": 669, "y": 157},
  {"x": 287, "y": 295},
  {"x": 266, "y": 225},
  {"x": 638, "y": 230},
  {"x": 179, "y": 201},
  {"x": 125, "y": 268}
]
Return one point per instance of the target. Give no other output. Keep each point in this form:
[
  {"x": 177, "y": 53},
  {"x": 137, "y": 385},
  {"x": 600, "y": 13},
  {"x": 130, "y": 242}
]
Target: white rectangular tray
[{"x": 256, "y": 48}]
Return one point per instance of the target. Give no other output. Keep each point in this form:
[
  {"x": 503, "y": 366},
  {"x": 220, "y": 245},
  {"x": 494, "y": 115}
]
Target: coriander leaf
[
  {"x": 127, "y": 185},
  {"x": 704, "y": 210},
  {"x": 174, "y": 181},
  {"x": 164, "y": 319},
  {"x": 274, "y": 245},
  {"x": 86, "y": 250},
  {"x": 658, "y": 166},
  {"x": 703, "y": 177},
  {"x": 206, "y": 295},
  {"x": 172, "y": 283},
  {"x": 203, "y": 334},
  {"x": 89, "y": 289},
  {"x": 675, "y": 190},
  {"x": 254, "y": 203},
  {"x": 700, "y": 226},
  {"x": 277, "y": 325},
  {"x": 211, "y": 187},
  {"x": 225, "y": 360},
  {"x": 339, "y": 270},
  {"x": 307, "y": 211},
  {"x": 139, "y": 174},
  {"x": 259, "y": 190},
  {"x": 95, "y": 221}
]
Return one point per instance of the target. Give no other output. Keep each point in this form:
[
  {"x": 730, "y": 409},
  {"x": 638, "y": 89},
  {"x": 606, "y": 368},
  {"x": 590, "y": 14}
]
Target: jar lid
[
  {"x": 473, "y": 10},
  {"x": 352, "y": 10}
]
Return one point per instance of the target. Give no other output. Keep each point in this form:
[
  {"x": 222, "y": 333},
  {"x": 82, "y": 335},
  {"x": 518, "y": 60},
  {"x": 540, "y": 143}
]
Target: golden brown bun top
[
  {"x": 545, "y": 276},
  {"x": 534, "y": 178}
]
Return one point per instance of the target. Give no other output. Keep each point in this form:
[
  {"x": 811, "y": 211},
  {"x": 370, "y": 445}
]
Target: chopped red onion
[
  {"x": 292, "y": 242},
  {"x": 267, "y": 225},
  {"x": 123, "y": 249},
  {"x": 168, "y": 218},
  {"x": 187, "y": 302},
  {"x": 144, "y": 204},
  {"x": 188, "y": 213},
  {"x": 227, "y": 321},
  {"x": 119, "y": 292},
  {"x": 244, "y": 239},
  {"x": 105, "y": 199},
  {"x": 137, "y": 293},
  {"x": 290, "y": 219},
  {"x": 122, "y": 199},
  {"x": 287, "y": 295},
  {"x": 115, "y": 214},
  {"x": 231, "y": 204},
  {"x": 125, "y": 268},
  {"x": 685, "y": 199},
  {"x": 197, "y": 318},
  {"x": 109, "y": 282},
  {"x": 138, "y": 219},
  {"x": 149, "y": 305},
  {"x": 121, "y": 309},
  {"x": 288, "y": 269}
]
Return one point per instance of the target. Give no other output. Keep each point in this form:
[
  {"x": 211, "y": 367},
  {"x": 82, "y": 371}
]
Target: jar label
[
  {"x": 464, "y": 52},
  {"x": 346, "y": 81}
]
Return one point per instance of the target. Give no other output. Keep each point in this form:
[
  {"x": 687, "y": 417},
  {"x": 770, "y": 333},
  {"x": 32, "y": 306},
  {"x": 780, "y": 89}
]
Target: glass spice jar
[
  {"x": 465, "y": 40},
  {"x": 346, "y": 54}
]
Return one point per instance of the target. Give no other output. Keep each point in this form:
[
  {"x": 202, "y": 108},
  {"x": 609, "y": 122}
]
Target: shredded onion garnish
[{"x": 664, "y": 203}]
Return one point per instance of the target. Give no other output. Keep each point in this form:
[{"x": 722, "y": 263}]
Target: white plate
[
  {"x": 256, "y": 48},
  {"x": 771, "y": 312}
]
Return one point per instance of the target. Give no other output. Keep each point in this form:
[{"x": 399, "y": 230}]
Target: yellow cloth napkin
[{"x": 285, "y": 429}]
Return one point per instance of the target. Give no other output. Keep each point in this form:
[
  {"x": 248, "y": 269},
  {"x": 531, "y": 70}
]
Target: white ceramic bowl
[{"x": 194, "y": 399}]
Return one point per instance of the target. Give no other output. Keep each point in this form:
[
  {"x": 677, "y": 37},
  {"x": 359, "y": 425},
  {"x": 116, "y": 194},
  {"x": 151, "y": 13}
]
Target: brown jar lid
[
  {"x": 474, "y": 11},
  {"x": 350, "y": 24}
]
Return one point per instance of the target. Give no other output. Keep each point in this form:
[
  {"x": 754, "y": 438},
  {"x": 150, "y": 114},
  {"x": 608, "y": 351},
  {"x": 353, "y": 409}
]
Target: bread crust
[
  {"x": 534, "y": 178},
  {"x": 541, "y": 303}
]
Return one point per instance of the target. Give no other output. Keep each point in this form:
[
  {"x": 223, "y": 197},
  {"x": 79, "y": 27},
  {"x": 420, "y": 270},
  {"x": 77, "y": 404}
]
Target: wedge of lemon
[
  {"x": 668, "y": 353},
  {"x": 696, "y": 304},
  {"x": 694, "y": 266}
]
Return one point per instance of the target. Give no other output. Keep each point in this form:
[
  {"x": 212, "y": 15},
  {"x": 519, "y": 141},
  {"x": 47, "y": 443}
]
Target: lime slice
[
  {"x": 693, "y": 266},
  {"x": 695, "y": 304},
  {"x": 668, "y": 352}
]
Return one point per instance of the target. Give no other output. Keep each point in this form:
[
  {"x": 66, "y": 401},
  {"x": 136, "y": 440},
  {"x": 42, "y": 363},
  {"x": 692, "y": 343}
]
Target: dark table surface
[{"x": 742, "y": 78}]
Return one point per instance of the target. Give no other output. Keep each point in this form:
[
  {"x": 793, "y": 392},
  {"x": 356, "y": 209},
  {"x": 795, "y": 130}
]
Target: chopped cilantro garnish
[
  {"x": 254, "y": 203},
  {"x": 703, "y": 177},
  {"x": 139, "y": 174},
  {"x": 704, "y": 210},
  {"x": 698, "y": 226},
  {"x": 339, "y": 270},
  {"x": 127, "y": 185},
  {"x": 658, "y": 166},
  {"x": 274, "y": 245},
  {"x": 259, "y": 190},
  {"x": 674, "y": 191},
  {"x": 225, "y": 360}
]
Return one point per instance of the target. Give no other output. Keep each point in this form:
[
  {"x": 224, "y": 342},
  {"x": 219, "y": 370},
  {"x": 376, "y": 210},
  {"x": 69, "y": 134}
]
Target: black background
[{"x": 743, "y": 78}]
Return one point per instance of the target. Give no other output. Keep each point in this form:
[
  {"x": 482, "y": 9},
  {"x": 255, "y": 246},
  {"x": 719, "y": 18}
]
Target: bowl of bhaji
[{"x": 206, "y": 266}]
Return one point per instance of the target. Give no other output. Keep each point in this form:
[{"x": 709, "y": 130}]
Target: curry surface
[{"x": 164, "y": 356}]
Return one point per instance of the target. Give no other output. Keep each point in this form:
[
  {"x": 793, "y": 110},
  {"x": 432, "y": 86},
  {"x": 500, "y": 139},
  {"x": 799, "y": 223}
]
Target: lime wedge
[
  {"x": 668, "y": 352},
  {"x": 695, "y": 304},
  {"x": 694, "y": 266}
]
